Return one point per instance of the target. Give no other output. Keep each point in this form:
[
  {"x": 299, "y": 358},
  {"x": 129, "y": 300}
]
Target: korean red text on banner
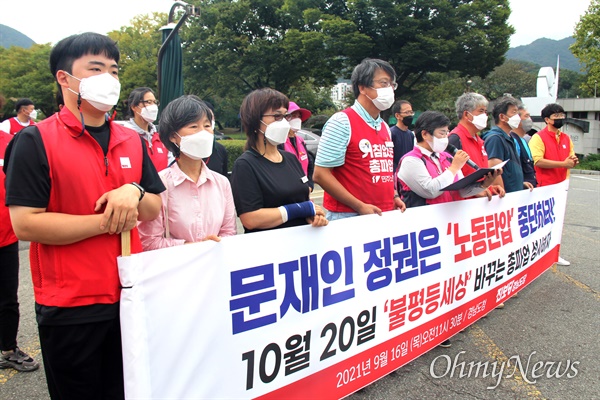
[{"x": 319, "y": 313}]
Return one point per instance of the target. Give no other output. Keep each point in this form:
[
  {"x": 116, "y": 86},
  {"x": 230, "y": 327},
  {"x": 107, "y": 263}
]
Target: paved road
[{"x": 555, "y": 319}]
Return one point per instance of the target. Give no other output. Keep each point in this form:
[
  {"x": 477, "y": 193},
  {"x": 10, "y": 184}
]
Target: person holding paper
[
  {"x": 427, "y": 169},
  {"x": 270, "y": 189},
  {"x": 198, "y": 202}
]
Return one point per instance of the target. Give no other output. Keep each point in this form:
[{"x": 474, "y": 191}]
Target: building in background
[{"x": 583, "y": 115}]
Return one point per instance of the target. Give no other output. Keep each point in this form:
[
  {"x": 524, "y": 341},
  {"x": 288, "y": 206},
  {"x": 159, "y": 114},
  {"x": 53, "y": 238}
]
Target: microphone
[{"x": 452, "y": 150}]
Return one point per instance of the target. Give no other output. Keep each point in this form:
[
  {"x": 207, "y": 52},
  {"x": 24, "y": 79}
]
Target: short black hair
[
  {"x": 429, "y": 121},
  {"x": 502, "y": 105},
  {"x": 69, "y": 49},
  {"x": 177, "y": 114},
  {"x": 550, "y": 109},
  {"x": 24, "y": 102},
  {"x": 365, "y": 71},
  {"x": 398, "y": 105},
  {"x": 135, "y": 97}
]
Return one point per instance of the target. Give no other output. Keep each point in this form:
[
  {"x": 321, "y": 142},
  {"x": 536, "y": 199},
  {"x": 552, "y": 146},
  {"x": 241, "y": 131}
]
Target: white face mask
[
  {"x": 277, "y": 132},
  {"x": 438, "y": 145},
  {"x": 149, "y": 113},
  {"x": 296, "y": 124},
  {"x": 480, "y": 121},
  {"x": 514, "y": 121},
  {"x": 384, "y": 99},
  {"x": 33, "y": 115},
  {"x": 197, "y": 146},
  {"x": 101, "y": 91}
]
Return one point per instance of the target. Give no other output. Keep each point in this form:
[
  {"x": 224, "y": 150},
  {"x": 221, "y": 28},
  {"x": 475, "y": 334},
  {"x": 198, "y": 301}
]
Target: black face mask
[
  {"x": 407, "y": 120},
  {"x": 558, "y": 123}
]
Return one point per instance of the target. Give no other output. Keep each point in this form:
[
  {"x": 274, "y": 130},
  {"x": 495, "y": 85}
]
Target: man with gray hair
[
  {"x": 471, "y": 109},
  {"x": 354, "y": 163}
]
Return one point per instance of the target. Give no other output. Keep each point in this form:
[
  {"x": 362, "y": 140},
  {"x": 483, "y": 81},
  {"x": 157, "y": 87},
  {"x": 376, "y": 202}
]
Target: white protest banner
[{"x": 321, "y": 312}]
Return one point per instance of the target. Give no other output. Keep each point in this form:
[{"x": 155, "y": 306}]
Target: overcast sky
[{"x": 48, "y": 21}]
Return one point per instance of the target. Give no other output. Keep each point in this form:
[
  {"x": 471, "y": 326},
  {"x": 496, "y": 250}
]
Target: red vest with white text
[
  {"x": 555, "y": 151},
  {"x": 84, "y": 272},
  {"x": 158, "y": 153},
  {"x": 367, "y": 172}
]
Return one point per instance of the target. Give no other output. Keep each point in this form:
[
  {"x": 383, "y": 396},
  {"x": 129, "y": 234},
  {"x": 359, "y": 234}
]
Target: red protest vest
[
  {"x": 7, "y": 235},
  {"x": 16, "y": 127},
  {"x": 367, "y": 172},
  {"x": 158, "y": 153},
  {"x": 474, "y": 146},
  {"x": 410, "y": 198},
  {"x": 555, "y": 151},
  {"x": 85, "y": 272}
]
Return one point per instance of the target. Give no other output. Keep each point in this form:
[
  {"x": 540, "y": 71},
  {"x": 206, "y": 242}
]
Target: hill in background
[
  {"x": 544, "y": 51},
  {"x": 12, "y": 37}
]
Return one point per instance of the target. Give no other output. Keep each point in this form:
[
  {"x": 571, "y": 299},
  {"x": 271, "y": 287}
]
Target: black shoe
[
  {"x": 18, "y": 360},
  {"x": 445, "y": 344}
]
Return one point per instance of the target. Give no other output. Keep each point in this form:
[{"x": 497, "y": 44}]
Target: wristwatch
[{"x": 142, "y": 190}]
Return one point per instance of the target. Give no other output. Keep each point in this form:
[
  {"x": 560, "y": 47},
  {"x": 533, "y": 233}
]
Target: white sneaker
[{"x": 563, "y": 262}]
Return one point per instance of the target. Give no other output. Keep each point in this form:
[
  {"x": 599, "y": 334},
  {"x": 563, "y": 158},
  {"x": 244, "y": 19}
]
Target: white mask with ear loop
[
  {"x": 514, "y": 121},
  {"x": 277, "y": 132},
  {"x": 197, "y": 146},
  {"x": 101, "y": 91},
  {"x": 149, "y": 113}
]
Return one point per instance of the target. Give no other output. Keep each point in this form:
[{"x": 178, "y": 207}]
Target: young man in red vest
[
  {"x": 74, "y": 182},
  {"x": 552, "y": 152},
  {"x": 355, "y": 159},
  {"x": 25, "y": 116}
]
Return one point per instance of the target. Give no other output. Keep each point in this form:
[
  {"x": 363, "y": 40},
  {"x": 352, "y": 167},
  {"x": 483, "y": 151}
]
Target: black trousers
[
  {"x": 9, "y": 302},
  {"x": 83, "y": 361}
]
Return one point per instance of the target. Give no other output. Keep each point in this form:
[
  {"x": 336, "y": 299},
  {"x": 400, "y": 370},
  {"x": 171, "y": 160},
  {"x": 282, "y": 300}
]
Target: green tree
[
  {"x": 422, "y": 36},
  {"x": 25, "y": 73},
  {"x": 139, "y": 43},
  {"x": 587, "y": 47},
  {"x": 236, "y": 47}
]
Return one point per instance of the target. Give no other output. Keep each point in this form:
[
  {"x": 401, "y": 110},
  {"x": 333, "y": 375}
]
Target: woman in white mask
[
  {"x": 142, "y": 109},
  {"x": 428, "y": 168},
  {"x": 198, "y": 203},
  {"x": 295, "y": 144},
  {"x": 270, "y": 188}
]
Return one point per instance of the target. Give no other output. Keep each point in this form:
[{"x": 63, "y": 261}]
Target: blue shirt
[{"x": 498, "y": 144}]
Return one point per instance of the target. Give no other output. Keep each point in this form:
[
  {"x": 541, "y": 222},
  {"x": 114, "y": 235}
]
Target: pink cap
[{"x": 304, "y": 113}]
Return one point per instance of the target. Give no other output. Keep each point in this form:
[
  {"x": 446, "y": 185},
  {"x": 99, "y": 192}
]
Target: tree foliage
[
  {"x": 139, "y": 44},
  {"x": 26, "y": 73},
  {"x": 422, "y": 36},
  {"x": 587, "y": 46}
]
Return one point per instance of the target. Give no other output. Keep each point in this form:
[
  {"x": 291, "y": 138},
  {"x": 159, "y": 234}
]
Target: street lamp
[
  {"x": 469, "y": 83},
  {"x": 595, "y": 85}
]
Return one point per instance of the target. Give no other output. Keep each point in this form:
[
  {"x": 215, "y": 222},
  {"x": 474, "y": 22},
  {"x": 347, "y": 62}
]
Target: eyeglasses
[
  {"x": 278, "y": 117},
  {"x": 407, "y": 113},
  {"x": 558, "y": 116},
  {"x": 385, "y": 84},
  {"x": 150, "y": 102}
]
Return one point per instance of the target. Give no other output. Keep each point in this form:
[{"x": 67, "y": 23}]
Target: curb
[{"x": 584, "y": 172}]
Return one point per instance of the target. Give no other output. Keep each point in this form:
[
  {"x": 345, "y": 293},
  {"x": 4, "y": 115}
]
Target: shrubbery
[
  {"x": 235, "y": 148},
  {"x": 590, "y": 162}
]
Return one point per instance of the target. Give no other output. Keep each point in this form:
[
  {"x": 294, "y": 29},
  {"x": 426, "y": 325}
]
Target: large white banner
[{"x": 321, "y": 312}]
